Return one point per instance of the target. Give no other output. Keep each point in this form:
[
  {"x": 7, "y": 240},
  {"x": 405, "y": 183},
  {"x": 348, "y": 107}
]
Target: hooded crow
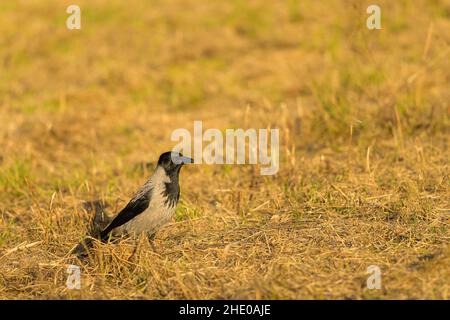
[{"x": 151, "y": 207}]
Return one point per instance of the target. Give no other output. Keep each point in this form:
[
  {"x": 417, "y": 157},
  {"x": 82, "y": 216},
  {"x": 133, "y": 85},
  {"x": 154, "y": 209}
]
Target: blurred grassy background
[{"x": 364, "y": 158}]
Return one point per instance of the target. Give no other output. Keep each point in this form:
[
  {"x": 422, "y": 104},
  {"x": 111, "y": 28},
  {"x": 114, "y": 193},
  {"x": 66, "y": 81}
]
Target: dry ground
[{"x": 363, "y": 116}]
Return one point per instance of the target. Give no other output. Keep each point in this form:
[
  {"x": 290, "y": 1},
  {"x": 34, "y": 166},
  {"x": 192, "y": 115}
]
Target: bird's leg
[
  {"x": 136, "y": 246},
  {"x": 151, "y": 240}
]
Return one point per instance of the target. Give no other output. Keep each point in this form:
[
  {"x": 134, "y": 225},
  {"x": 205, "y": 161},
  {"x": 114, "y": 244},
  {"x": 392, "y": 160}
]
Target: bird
[{"x": 151, "y": 207}]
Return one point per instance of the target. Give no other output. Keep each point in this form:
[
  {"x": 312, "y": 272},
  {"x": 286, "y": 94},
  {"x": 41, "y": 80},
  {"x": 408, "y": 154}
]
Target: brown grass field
[{"x": 364, "y": 147}]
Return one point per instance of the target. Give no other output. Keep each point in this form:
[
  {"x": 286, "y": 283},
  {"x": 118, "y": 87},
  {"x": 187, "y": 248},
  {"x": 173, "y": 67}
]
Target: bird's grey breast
[{"x": 160, "y": 209}]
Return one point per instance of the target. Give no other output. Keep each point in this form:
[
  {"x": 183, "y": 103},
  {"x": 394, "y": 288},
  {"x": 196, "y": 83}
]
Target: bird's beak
[
  {"x": 186, "y": 160},
  {"x": 182, "y": 160}
]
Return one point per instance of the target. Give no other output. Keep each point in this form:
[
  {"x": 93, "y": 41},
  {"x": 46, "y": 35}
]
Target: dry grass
[{"x": 364, "y": 158}]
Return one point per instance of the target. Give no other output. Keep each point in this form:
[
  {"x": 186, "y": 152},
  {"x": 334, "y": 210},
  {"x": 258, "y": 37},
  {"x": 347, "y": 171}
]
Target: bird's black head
[{"x": 173, "y": 161}]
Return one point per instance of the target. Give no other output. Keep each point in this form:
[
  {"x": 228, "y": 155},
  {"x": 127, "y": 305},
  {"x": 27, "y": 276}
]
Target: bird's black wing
[{"x": 136, "y": 206}]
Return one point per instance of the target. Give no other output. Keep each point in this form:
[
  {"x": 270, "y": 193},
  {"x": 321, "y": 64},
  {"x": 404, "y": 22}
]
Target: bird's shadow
[{"x": 100, "y": 219}]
